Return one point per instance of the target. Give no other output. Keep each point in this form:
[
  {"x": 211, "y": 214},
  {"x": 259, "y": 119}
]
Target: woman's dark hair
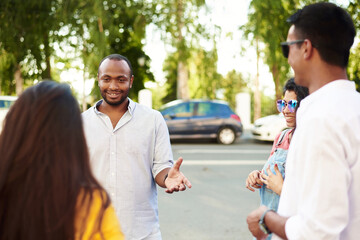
[
  {"x": 301, "y": 92},
  {"x": 44, "y": 167}
]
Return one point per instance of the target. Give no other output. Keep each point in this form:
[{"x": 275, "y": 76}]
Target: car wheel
[{"x": 226, "y": 136}]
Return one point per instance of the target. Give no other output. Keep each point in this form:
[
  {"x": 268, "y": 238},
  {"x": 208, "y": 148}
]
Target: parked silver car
[{"x": 266, "y": 128}]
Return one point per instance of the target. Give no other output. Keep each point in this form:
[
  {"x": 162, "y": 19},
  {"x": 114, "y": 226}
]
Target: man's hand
[
  {"x": 176, "y": 181},
  {"x": 253, "y": 223}
]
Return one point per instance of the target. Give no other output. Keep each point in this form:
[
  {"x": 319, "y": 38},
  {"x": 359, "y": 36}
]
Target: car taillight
[{"x": 236, "y": 117}]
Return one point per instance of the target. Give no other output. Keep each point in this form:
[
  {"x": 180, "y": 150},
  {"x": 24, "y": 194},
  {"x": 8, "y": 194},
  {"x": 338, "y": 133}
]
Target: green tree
[
  {"x": 6, "y": 72},
  {"x": 28, "y": 30},
  {"x": 113, "y": 26},
  {"x": 267, "y": 24},
  {"x": 204, "y": 78},
  {"x": 170, "y": 70},
  {"x": 179, "y": 22},
  {"x": 233, "y": 83},
  {"x": 354, "y": 60}
]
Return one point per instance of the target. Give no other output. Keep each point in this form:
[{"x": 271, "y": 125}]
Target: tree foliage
[
  {"x": 267, "y": 24},
  {"x": 106, "y": 27},
  {"x": 179, "y": 22},
  {"x": 32, "y": 30},
  {"x": 354, "y": 60},
  {"x": 233, "y": 83},
  {"x": 204, "y": 78},
  {"x": 24, "y": 36}
]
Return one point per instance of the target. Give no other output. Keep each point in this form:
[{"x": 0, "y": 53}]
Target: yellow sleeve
[{"x": 110, "y": 226}]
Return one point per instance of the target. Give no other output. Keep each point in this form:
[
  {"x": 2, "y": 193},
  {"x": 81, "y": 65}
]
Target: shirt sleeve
[
  {"x": 163, "y": 157},
  {"x": 323, "y": 181}
]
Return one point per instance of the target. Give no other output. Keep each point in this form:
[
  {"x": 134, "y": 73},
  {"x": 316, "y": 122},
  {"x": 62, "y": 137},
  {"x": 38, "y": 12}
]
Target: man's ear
[
  {"x": 308, "y": 49},
  {"x": 131, "y": 81}
]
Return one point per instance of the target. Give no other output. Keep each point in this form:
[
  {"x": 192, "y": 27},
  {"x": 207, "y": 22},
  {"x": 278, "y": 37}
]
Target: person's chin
[
  {"x": 290, "y": 125},
  {"x": 113, "y": 102}
]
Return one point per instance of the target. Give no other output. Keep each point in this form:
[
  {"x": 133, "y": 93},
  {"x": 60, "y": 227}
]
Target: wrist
[
  {"x": 262, "y": 224},
  {"x": 166, "y": 175}
]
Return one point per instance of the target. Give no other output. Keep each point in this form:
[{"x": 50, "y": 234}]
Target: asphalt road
[{"x": 215, "y": 208}]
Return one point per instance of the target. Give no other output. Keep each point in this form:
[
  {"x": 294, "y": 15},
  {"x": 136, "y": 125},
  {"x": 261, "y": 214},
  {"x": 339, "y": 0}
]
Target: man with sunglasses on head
[{"x": 319, "y": 198}]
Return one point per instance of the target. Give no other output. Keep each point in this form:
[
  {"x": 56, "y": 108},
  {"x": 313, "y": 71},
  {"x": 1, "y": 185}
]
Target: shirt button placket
[{"x": 113, "y": 165}]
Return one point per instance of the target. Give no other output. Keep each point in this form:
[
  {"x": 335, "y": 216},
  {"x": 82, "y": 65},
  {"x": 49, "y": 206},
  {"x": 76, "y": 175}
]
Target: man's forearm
[
  {"x": 160, "y": 177},
  {"x": 276, "y": 223}
]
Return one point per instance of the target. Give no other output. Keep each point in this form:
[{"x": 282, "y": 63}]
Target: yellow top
[{"x": 110, "y": 226}]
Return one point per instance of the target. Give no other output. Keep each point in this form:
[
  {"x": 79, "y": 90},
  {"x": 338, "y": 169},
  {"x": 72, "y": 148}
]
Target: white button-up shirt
[
  {"x": 126, "y": 160},
  {"x": 321, "y": 192}
]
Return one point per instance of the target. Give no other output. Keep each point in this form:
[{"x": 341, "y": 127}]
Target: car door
[
  {"x": 207, "y": 118},
  {"x": 178, "y": 118}
]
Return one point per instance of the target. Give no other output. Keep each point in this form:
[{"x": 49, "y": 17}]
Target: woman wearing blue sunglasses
[{"x": 270, "y": 180}]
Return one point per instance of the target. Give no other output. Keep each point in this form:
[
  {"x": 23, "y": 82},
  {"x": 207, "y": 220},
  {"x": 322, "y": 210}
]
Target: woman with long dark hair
[{"x": 47, "y": 190}]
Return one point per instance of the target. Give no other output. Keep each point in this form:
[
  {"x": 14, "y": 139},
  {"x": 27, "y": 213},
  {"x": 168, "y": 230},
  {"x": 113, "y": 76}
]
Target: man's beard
[{"x": 117, "y": 103}]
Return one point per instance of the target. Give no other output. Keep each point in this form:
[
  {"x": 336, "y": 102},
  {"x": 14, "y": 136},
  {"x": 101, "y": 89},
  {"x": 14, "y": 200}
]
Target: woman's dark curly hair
[{"x": 301, "y": 92}]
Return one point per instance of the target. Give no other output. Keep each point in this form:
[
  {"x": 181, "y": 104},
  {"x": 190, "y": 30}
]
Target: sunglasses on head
[
  {"x": 281, "y": 105},
  {"x": 285, "y": 46}
]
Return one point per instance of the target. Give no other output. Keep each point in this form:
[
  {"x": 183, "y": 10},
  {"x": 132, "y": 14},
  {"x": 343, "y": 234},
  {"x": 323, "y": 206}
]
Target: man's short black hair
[
  {"x": 329, "y": 28},
  {"x": 117, "y": 57}
]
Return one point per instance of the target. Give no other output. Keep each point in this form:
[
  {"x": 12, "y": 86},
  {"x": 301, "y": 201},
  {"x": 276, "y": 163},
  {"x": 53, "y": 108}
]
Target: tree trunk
[
  {"x": 182, "y": 81},
  {"x": 19, "y": 81},
  {"x": 276, "y": 76},
  {"x": 182, "y": 70},
  {"x": 257, "y": 94}
]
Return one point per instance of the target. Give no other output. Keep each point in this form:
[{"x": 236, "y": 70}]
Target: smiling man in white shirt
[
  {"x": 130, "y": 151},
  {"x": 320, "y": 198}
]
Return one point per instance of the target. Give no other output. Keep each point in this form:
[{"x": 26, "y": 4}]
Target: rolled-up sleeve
[{"x": 163, "y": 157}]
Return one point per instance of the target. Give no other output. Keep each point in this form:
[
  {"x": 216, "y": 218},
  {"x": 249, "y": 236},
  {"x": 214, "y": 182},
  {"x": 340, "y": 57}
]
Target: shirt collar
[
  {"x": 131, "y": 106},
  {"x": 337, "y": 84}
]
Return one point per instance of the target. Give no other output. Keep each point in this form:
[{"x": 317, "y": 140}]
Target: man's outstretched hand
[{"x": 176, "y": 181}]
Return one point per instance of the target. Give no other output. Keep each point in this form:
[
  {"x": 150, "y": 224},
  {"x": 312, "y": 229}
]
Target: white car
[
  {"x": 5, "y": 103},
  {"x": 266, "y": 128}
]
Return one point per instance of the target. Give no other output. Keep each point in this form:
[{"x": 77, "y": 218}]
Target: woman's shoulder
[
  {"x": 96, "y": 195},
  {"x": 93, "y": 206},
  {"x": 283, "y": 139}
]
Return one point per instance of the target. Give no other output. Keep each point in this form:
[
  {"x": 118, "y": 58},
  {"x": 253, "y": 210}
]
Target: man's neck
[
  {"x": 325, "y": 75},
  {"x": 114, "y": 112},
  {"x": 109, "y": 109}
]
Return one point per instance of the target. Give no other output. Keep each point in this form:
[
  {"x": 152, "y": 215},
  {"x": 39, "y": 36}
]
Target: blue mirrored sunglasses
[{"x": 281, "y": 105}]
